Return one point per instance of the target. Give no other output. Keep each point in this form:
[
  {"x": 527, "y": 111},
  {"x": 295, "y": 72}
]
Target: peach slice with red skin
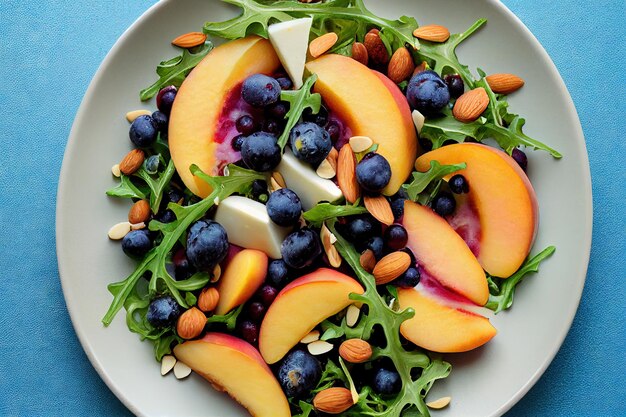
[
  {"x": 244, "y": 275},
  {"x": 499, "y": 216},
  {"x": 370, "y": 105},
  {"x": 302, "y": 305},
  {"x": 195, "y": 117},
  {"x": 234, "y": 366}
]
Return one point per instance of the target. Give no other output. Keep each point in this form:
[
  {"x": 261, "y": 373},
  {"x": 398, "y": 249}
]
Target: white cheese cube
[
  {"x": 304, "y": 181},
  {"x": 290, "y": 39},
  {"x": 248, "y": 225}
]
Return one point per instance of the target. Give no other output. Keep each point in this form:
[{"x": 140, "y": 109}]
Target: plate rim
[{"x": 586, "y": 188}]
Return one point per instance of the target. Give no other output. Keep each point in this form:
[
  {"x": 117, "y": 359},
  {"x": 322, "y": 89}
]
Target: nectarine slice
[
  {"x": 200, "y": 100},
  {"x": 443, "y": 254},
  {"x": 302, "y": 305},
  {"x": 440, "y": 327},
  {"x": 370, "y": 106},
  {"x": 499, "y": 217},
  {"x": 243, "y": 276},
  {"x": 234, "y": 366}
]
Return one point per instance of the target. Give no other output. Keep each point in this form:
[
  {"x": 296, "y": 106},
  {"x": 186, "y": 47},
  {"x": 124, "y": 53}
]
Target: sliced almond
[
  {"x": 313, "y": 336},
  {"x": 400, "y": 66},
  {"x": 439, "y": 403},
  {"x": 420, "y": 68},
  {"x": 167, "y": 364},
  {"x": 346, "y": 174},
  {"x": 418, "y": 120},
  {"x": 360, "y": 143},
  {"x": 319, "y": 347},
  {"x": 181, "y": 370},
  {"x": 277, "y": 181},
  {"x": 216, "y": 201},
  {"x": 132, "y": 161},
  {"x": 217, "y": 273},
  {"x": 368, "y": 260},
  {"x": 132, "y": 115},
  {"x": 391, "y": 267},
  {"x": 504, "y": 83},
  {"x": 138, "y": 226},
  {"x": 352, "y": 315},
  {"x": 322, "y": 44},
  {"x": 331, "y": 252},
  {"x": 119, "y": 230},
  {"x": 433, "y": 33},
  {"x": 470, "y": 105},
  {"x": 359, "y": 53},
  {"x": 379, "y": 207},
  {"x": 191, "y": 323},
  {"x": 115, "y": 170},
  {"x": 208, "y": 299},
  {"x": 355, "y": 350},
  {"x": 139, "y": 212},
  {"x": 334, "y": 400},
  {"x": 189, "y": 40},
  {"x": 332, "y": 157},
  {"x": 376, "y": 49},
  {"x": 326, "y": 170}
]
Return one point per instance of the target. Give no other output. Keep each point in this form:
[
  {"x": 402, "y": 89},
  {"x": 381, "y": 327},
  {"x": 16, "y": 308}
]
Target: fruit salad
[{"x": 315, "y": 218}]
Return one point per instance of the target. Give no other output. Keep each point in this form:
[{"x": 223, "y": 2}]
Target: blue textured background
[{"x": 44, "y": 73}]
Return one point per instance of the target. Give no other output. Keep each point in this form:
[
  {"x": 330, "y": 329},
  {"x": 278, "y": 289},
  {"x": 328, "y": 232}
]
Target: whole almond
[
  {"x": 346, "y": 174},
  {"x": 504, "y": 83},
  {"x": 471, "y": 105},
  {"x": 433, "y": 33},
  {"x": 355, "y": 351},
  {"x": 368, "y": 260},
  {"x": 420, "y": 68},
  {"x": 139, "y": 212},
  {"x": 332, "y": 157},
  {"x": 391, "y": 267},
  {"x": 132, "y": 161},
  {"x": 379, "y": 207},
  {"x": 376, "y": 50},
  {"x": 322, "y": 44},
  {"x": 401, "y": 65},
  {"x": 333, "y": 400},
  {"x": 359, "y": 53},
  {"x": 208, "y": 299},
  {"x": 191, "y": 323},
  {"x": 189, "y": 40}
]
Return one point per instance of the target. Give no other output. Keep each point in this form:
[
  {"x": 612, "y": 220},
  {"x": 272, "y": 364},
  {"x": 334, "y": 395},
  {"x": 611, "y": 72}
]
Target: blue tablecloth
[{"x": 45, "y": 67}]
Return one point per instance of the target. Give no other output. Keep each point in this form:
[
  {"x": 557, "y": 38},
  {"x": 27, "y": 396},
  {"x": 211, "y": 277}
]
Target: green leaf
[
  {"x": 306, "y": 408},
  {"x": 126, "y": 189},
  {"x": 175, "y": 70},
  {"x": 326, "y": 211},
  {"x": 299, "y": 100},
  {"x": 446, "y": 127},
  {"x": 503, "y": 298},
  {"x": 157, "y": 185},
  {"x": 330, "y": 376},
  {"x": 421, "y": 180},
  {"x": 229, "y": 319}
]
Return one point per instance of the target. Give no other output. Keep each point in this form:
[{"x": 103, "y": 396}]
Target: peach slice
[
  {"x": 370, "y": 105},
  {"x": 244, "y": 275},
  {"x": 440, "y": 327},
  {"x": 442, "y": 253},
  {"x": 195, "y": 116},
  {"x": 234, "y": 366},
  {"x": 302, "y": 305},
  {"x": 499, "y": 216}
]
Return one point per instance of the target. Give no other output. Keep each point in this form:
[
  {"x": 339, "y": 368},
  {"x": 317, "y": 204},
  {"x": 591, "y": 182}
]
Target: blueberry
[
  {"x": 271, "y": 126},
  {"x": 396, "y": 237},
  {"x": 284, "y": 207},
  {"x": 246, "y": 125},
  {"x": 373, "y": 172},
  {"x": 267, "y": 295},
  {"x": 376, "y": 245},
  {"x": 455, "y": 84},
  {"x": 427, "y": 93},
  {"x": 143, "y": 131},
  {"x": 362, "y": 228},
  {"x": 259, "y": 90},
  {"x": 444, "y": 204},
  {"x": 260, "y": 151},
  {"x": 310, "y": 143},
  {"x": 237, "y": 142},
  {"x": 163, "y": 312},
  {"x": 278, "y": 110},
  {"x": 259, "y": 188},
  {"x": 520, "y": 157},
  {"x": 334, "y": 130},
  {"x": 409, "y": 279},
  {"x": 174, "y": 195},
  {"x": 300, "y": 248},
  {"x": 284, "y": 83},
  {"x": 249, "y": 331},
  {"x": 137, "y": 243},
  {"x": 160, "y": 120},
  {"x": 182, "y": 267},
  {"x": 299, "y": 373},
  {"x": 151, "y": 164},
  {"x": 458, "y": 184},
  {"x": 277, "y": 273},
  {"x": 386, "y": 382},
  {"x": 411, "y": 255},
  {"x": 207, "y": 245},
  {"x": 256, "y": 311},
  {"x": 425, "y": 143},
  {"x": 397, "y": 206},
  {"x": 320, "y": 118},
  {"x": 165, "y": 99},
  {"x": 165, "y": 216}
]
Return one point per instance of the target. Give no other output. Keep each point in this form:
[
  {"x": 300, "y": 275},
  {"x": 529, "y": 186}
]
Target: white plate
[{"x": 486, "y": 382}]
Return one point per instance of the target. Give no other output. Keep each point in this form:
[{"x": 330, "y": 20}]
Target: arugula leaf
[
  {"x": 306, "y": 408},
  {"x": 326, "y": 211},
  {"x": 154, "y": 263},
  {"x": 157, "y": 186},
  {"x": 440, "y": 129},
  {"x": 229, "y": 319},
  {"x": 257, "y": 15},
  {"x": 126, "y": 189},
  {"x": 332, "y": 373},
  {"x": 503, "y": 290},
  {"x": 442, "y": 56},
  {"x": 299, "y": 100},
  {"x": 422, "y": 179},
  {"x": 175, "y": 70}
]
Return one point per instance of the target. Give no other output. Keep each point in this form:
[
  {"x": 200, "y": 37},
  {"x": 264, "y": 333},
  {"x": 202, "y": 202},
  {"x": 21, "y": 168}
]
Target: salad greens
[
  {"x": 299, "y": 100},
  {"x": 421, "y": 180},
  {"x": 327, "y": 211}
]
